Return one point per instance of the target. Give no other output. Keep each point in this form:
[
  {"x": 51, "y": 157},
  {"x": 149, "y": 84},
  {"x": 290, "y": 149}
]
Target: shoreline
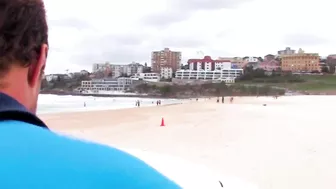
[
  {"x": 180, "y": 101},
  {"x": 69, "y": 93},
  {"x": 290, "y": 93},
  {"x": 293, "y": 93},
  {"x": 108, "y": 109}
]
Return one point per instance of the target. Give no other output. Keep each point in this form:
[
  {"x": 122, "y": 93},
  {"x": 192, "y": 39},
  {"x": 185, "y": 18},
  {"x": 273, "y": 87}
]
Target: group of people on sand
[
  {"x": 137, "y": 103},
  {"x": 231, "y": 99}
]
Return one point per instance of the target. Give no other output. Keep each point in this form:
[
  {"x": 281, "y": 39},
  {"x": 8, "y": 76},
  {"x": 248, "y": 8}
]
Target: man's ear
[{"x": 36, "y": 70}]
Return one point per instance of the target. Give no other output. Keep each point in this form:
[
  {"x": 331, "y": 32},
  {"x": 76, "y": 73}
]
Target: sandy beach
[{"x": 286, "y": 144}]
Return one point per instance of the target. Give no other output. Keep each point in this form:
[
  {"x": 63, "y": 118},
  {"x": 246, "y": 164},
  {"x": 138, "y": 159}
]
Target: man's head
[{"x": 23, "y": 49}]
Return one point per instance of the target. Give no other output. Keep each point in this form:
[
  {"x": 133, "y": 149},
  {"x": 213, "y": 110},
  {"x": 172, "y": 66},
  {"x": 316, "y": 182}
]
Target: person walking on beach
[
  {"x": 32, "y": 156},
  {"x": 223, "y": 99}
]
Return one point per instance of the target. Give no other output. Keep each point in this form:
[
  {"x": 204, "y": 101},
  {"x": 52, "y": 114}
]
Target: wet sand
[{"x": 286, "y": 144}]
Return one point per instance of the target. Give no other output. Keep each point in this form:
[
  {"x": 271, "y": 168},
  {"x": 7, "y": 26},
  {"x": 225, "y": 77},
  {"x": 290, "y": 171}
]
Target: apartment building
[
  {"x": 117, "y": 70},
  {"x": 209, "y": 69},
  {"x": 166, "y": 73},
  {"x": 150, "y": 77},
  {"x": 208, "y": 64},
  {"x": 109, "y": 84},
  {"x": 287, "y": 51},
  {"x": 226, "y": 75},
  {"x": 166, "y": 58},
  {"x": 238, "y": 61},
  {"x": 301, "y": 62},
  {"x": 97, "y": 67},
  {"x": 134, "y": 68}
]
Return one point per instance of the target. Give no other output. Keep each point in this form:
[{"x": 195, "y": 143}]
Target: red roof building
[{"x": 208, "y": 64}]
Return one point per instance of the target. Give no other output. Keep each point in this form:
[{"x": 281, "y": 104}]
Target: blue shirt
[{"x": 33, "y": 157}]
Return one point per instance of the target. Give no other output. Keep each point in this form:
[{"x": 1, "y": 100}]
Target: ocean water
[{"x": 56, "y": 104}]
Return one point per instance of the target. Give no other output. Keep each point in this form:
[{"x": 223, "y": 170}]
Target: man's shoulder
[{"x": 71, "y": 163}]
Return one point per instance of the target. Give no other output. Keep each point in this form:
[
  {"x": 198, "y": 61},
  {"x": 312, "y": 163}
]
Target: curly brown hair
[{"x": 23, "y": 30}]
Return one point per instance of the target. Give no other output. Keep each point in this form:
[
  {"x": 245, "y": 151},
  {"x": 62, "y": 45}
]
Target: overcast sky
[{"x": 83, "y": 32}]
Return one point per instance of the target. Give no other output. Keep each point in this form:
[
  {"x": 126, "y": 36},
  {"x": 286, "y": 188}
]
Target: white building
[
  {"x": 54, "y": 77},
  {"x": 208, "y": 64},
  {"x": 119, "y": 85},
  {"x": 100, "y": 67},
  {"x": 133, "y": 68},
  {"x": 166, "y": 73},
  {"x": 84, "y": 72},
  {"x": 51, "y": 77},
  {"x": 222, "y": 65},
  {"x": 226, "y": 75},
  {"x": 287, "y": 51},
  {"x": 117, "y": 70},
  {"x": 252, "y": 59},
  {"x": 150, "y": 77}
]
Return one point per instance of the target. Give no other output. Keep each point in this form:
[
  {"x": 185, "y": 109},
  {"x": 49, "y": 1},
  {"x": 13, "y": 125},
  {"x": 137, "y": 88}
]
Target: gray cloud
[
  {"x": 112, "y": 41},
  {"x": 224, "y": 33},
  {"x": 120, "y": 55},
  {"x": 128, "y": 47},
  {"x": 207, "y": 4},
  {"x": 116, "y": 48},
  {"x": 130, "y": 39},
  {"x": 178, "y": 11},
  {"x": 70, "y": 22},
  {"x": 166, "y": 18},
  {"x": 125, "y": 47},
  {"x": 305, "y": 40},
  {"x": 183, "y": 42}
]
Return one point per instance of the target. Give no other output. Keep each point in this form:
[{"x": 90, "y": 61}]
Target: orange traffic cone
[{"x": 162, "y": 123}]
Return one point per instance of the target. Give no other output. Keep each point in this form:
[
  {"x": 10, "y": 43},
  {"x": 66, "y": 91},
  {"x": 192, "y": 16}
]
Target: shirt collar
[{"x": 11, "y": 109}]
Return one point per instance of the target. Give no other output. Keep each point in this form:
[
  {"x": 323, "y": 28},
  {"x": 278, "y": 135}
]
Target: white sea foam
[{"x": 55, "y": 103}]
